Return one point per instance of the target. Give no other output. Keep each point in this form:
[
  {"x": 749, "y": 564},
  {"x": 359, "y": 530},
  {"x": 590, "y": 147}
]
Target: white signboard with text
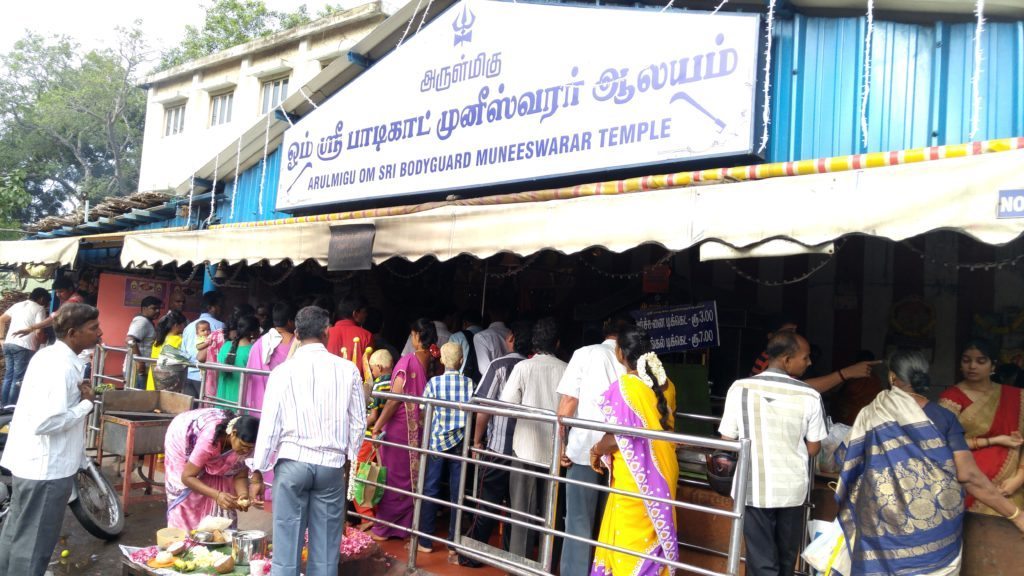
[{"x": 494, "y": 92}]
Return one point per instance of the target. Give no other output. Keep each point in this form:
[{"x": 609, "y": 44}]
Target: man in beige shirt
[{"x": 533, "y": 383}]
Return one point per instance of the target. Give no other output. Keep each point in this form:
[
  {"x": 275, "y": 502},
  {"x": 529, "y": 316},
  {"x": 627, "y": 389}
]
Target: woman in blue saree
[{"x": 904, "y": 468}]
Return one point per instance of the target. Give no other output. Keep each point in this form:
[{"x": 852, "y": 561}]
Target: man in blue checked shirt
[{"x": 447, "y": 433}]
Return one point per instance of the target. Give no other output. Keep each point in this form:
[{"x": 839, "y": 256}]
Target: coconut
[
  {"x": 224, "y": 565},
  {"x": 177, "y": 548},
  {"x": 164, "y": 557}
]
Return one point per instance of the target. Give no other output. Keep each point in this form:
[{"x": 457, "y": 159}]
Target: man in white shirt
[
  {"x": 46, "y": 443},
  {"x": 533, "y": 382},
  {"x": 18, "y": 350},
  {"x": 314, "y": 417},
  {"x": 783, "y": 419},
  {"x": 591, "y": 370},
  {"x": 141, "y": 334},
  {"x": 489, "y": 343},
  {"x": 212, "y": 302}
]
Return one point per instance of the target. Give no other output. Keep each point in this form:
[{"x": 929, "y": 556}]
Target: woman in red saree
[
  {"x": 401, "y": 424},
  {"x": 992, "y": 416}
]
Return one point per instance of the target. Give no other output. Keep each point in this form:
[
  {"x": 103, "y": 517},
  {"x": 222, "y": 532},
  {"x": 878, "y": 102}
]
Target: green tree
[
  {"x": 229, "y": 23},
  {"x": 70, "y": 125},
  {"x": 13, "y": 201}
]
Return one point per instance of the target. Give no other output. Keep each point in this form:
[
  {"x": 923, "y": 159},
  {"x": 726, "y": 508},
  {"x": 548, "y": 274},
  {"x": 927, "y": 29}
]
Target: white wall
[{"x": 167, "y": 161}]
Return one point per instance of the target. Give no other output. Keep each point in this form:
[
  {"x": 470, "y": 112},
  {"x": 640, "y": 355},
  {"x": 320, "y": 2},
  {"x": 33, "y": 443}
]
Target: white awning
[
  {"x": 298, "y": 243},
  {"x": 60, "y": 251},
  {"x": 894, "y": 202}
]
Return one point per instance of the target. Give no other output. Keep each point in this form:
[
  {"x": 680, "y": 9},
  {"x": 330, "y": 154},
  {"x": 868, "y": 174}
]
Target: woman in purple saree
[{"x": 401, "y": 424}]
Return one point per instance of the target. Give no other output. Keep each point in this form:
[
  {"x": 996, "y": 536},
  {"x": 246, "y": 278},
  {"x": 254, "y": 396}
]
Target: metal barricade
[
  {"x": 471, "y": 504},
  {"x": 518, "y": 565},
  {"x": 128, "y": 380}
]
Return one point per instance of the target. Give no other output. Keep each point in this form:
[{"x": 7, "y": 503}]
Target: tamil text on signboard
[
  {"x": 495, "y": 92},
  {"x": 680, "y": 328}
]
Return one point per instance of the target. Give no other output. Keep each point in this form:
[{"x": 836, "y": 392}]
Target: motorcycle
[{"x": 94, "y": 502}]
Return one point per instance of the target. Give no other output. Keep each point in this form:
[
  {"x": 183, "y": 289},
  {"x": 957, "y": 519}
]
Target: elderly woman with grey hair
[
  {"x": 904, "y": 467},
  {"x": 314, "y": 414}
]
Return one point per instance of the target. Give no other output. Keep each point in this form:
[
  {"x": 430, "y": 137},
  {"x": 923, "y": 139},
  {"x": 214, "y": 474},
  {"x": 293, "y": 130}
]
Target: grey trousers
[
  {"x": 526, "y": 494},
  {"x": 313, "y": 497},
  {"x": 33, "y": 525},
  {"x": 583, "y": 508}
]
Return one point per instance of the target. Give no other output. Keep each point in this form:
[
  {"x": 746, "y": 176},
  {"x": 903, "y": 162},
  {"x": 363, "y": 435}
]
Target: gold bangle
[{"x": 1014, "y": 515}]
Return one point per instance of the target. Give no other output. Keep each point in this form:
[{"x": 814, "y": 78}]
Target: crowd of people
[
  {"x": 904, "y": 464},
  {"x": 516, "y": 364}
]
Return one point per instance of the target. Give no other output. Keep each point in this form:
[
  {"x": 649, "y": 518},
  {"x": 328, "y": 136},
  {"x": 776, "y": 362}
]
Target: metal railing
[
  {"x": 545, "y": 524},
  {"x": 518, "y": 565},
  {"x": 128, "y": 380}
]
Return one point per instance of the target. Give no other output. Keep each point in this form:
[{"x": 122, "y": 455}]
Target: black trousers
[
  {"x": 494, "y": 489},
  {"x": 773, "y": 537}
]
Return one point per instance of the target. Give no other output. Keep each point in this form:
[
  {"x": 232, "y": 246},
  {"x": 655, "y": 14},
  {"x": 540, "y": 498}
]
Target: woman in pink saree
[
  {"x": 204, "y": 470},
  {"x": 401, "y": 424},
  {"x": 269, "y": 352}
]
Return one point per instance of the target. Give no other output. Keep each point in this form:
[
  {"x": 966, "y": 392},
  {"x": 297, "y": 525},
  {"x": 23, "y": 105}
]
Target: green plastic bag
[{"x": 368, "y": 495}]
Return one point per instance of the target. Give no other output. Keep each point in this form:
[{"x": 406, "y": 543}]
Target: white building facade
[{"x": 200, "y": 107}]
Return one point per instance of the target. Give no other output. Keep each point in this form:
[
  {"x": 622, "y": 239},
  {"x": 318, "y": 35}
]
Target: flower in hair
[
  {"x": 231, "y": 425},
  {"x": 435, "y": 352},
  {"x": 650, "y": 365}
]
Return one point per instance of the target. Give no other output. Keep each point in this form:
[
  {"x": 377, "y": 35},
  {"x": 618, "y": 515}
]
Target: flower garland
[
  {"x": 868, "y": 33},
  {"x": 766, "y": 114},
  {"x": 649, "y": 364},
  {"x": 213, "y": 191},
  {"x": 979, "y": 11}
]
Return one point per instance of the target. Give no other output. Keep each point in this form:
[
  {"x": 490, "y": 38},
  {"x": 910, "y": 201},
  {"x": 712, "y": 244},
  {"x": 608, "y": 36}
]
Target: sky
[{"x": 92, "y": 22}]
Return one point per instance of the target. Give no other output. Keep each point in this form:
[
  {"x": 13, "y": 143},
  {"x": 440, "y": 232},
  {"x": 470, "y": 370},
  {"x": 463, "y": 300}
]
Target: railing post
[
  {"x": 739, "y": 480},
  {"x": 547, "y": 545},
  {"x": 129, "y": 372},
  {"x": 202, "y": 385},
  {"x": 99, "y": 356},
  {"x": 428, "y": 414},
  {"x": 457, "y": 536}
]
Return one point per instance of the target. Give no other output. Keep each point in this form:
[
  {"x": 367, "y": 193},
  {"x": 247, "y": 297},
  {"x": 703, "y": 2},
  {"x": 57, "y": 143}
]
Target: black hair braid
[
  {"x": 166, "y": 324},
  {"x": 659, "y": 393},
  {"x": 222, "y": 427},
  {"x": 634, "y": 343}
]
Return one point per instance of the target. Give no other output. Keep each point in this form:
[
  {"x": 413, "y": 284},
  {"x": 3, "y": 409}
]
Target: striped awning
[{"x": 806, "y": 211}]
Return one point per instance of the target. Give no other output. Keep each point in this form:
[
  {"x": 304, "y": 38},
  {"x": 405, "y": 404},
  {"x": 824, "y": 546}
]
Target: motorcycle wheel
[{"x": 98, "y": 506}]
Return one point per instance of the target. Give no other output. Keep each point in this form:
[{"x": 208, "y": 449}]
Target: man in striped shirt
[
  {"x": 499, "y": 431},
  {"x": 447, "y": 433},
  {"x": 784, "y": 421},
  {"x": 314, "y": 415}
]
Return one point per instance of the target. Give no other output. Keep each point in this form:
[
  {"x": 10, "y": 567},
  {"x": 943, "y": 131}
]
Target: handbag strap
[{"x": 374, "y": 454}]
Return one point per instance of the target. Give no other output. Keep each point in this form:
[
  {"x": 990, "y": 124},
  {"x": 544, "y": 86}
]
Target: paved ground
[{"x": 89, "y": 556}]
